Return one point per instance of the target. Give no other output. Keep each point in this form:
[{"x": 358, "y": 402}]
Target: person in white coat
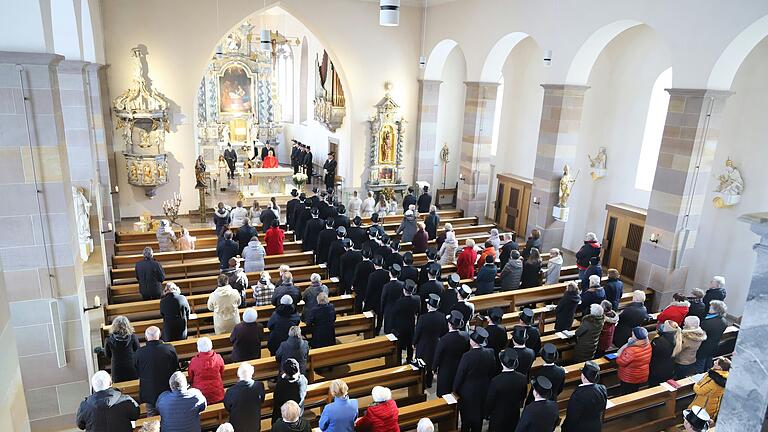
[
  {"x": 354, "y": 206},
  {"x": 368, "y": 205},
  {"x": 166, "y": 238},
  {"x": 223, "y": 302},
  {"x": 253, "y": 254},
  {"x": 238, "y": 215},
  {"x": 447, "y": 252},
  {"x": 554, "y": 265}
]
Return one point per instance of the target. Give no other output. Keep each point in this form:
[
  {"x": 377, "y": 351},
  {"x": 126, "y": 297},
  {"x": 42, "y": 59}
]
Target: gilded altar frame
[{"x": 386, "y": 146}]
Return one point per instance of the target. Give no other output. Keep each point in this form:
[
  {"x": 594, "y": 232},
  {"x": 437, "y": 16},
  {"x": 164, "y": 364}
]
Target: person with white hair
[
  {"x": 310, "y": 295},
  {"x": 588, "y": 334},
  {"x": 714, "y": 325},
  {"x": 447, "y": 227},
  {"x": 155, "y": 363},
  {"x": 180, "y": 407},
  {"x": 291, "y": 386},
  {"x": 594, "y": 295},
  {"x": 554, "y": 264},
  {"x": 175, "y": 310},
  {"x": 407, "y": 228},
  {"x": 715, "y": 291},
  {"x": 107, "y": 408},
  {"x": 246, "y": 337},
  {"x": 290, "y": 419},
  {"x": 225, "y": 427},
  {"x": 224, "y": 303},
  {"x": 633, "y": 315},
  {"x": 431, "y": 222},
  {"x": 339, "y": 415},
  {"x": 263, "y": 290},
  {"x": 495, "y": 239},
  {"x": 692, "y": 337},
  {"x": 286, "y": 286},
  {"x": 447, "y": 252},
  {"x": 205, "y": 371},
  {"x": 425, "y": 425},
  {"x": 283, "y": 318},
  {"x": 243, "y": 400},
  {"x": 186, "y": 241},
  {"x": 254, "y": 254},
  {"x": 166, "y": 238},
  {"x": 381, "y": 415},
  {"x": 322, "y": 321},
  {"x": 591, "y": 248},
  {"x": 150, "y": 275},
  {"x": 295, "y": 347}
]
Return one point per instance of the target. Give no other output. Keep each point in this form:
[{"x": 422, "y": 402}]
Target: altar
[{"x": 264, "y": 182}]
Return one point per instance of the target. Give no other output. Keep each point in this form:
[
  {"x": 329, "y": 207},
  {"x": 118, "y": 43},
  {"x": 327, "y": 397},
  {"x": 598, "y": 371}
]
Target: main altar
[
  {"x": 264, "y": 182},
  {"x": 387, "y": 139}
]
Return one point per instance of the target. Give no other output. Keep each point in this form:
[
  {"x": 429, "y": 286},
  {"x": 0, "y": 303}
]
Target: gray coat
[
  {"x": 254, "y": 257},
  {"x": 511, "y": 274},
  {"x": 408, "y": 228}
]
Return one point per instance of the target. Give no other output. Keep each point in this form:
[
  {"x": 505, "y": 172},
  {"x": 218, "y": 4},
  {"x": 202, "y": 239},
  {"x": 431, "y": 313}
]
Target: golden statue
[
  {"x": 133, "y": 174},
  {"x": 566, "y": 184},
  {"x": 148, "y": 176},
  {"x": 387, "y": 146}
]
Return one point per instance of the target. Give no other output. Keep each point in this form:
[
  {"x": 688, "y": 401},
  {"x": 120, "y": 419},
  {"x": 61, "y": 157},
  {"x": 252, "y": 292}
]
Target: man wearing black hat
[
  {"x": 497, "y": 333},
  {"x": 505, "y": 394},
  {"x": 357, "y": 233},
  {"x": 335, "y": 251},
  {"x": 384, "y": 249},
  {"x": 542, "y": 414},
  {"x": 323, "y": 207},
  {"x": 312, "y": 232},
  {"x": 476, "y": 368},
  {"x": 448, "y": 353},
  {"x": 463, "y": 304},
  {"x": 360, "y": 281},
  {"x": 404, "y": 313},
  {"x": 534, "y": 337},
  {"x": 587, "y": 403},
  {"x": 409, "y": 271},
  {"x": 449, "y": 296},
  {"x": 431, "y": 260},
  {"x": 525, "y": 355},
  {"x": 295, "y": 152},
  {"x": 314, "y": 198},
  {"x": 341, "y": 219},
  {"x": 349, "y": 260},
  {"x": 290, "y": 208},
  {"x": 324, "y": 240},
  {"x": 696, "y": 419},
  {"x": 303, "y": 215},
  {"x": 554, "y": 373},
  {"x": 374, "y": 288},
  {"x": 424, "y": 201},
  {"x": 431, "y": 286},
  {"x": 307, "y": 163},
  {"x": 392, "y": 291},
  {"x": 375, "y": 224},
  {"x": 230, "y": 156},
  {"x": 329, "y": 168},
  {"x": 430, "y": 327},
  {"x": 394, "y": 256},
  {"x": 409, "y": 199}
]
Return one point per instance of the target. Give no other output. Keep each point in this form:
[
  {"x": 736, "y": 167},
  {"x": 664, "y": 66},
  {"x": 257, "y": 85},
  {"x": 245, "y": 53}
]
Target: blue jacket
[
  {"x": 339, "y": 416},
  {"x": 614, "y": 289},
  {"x": 180, "y": 411},
  {"x": 486, "y": 278},
  {"x": 591, "y": 297}
]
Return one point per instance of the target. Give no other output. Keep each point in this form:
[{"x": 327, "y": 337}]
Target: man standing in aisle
[
  {"x": 230, "y": 155},
  {"x": 329, "y": 168},
  {"x": 425, "y": 201},
  {"x": 308, "y": 167},
  {"x": 295, "y": 154}
]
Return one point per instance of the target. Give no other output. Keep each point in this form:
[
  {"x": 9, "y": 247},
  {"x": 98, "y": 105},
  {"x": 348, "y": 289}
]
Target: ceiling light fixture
[{"x": 389, "y": 13}]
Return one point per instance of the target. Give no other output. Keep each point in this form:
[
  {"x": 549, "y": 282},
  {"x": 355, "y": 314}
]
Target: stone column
[
  {"x": 691, "y": 132},
  {"x": 38, "y": 245},
  {"x": 475, "y": 164},
  {"x": 558, "y": 137},
  {"x": 745, "y": 401},
  {"x": 426, "y": 130}
]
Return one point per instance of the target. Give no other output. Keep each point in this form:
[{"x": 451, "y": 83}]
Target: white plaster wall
[
  {"x": 21, "y": 26},
  {"x": 724, "y": 245},
  {"x": 450, "y": 118},
  {"x": 614, "y": 116}
]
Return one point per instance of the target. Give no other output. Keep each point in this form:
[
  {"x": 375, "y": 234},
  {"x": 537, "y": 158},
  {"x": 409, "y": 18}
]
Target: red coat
[
  {"x": 606, "y": 335},
  {"x": 676, "y": 311},
  {"x": 487, "y": 251},
  {"x": 274, "y": 238},
  {"x": 465, "y": 263},
  {"x": 634, "y": 363},
  {"x": 379, "y": 418},
  {"x": 204, "y": 374}
]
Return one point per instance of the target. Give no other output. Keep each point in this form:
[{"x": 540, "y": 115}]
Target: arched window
[
  {"x": 285, "y": 82},
  {"x": 654, "y": 129},
  {"x": 497, "y": 118}
]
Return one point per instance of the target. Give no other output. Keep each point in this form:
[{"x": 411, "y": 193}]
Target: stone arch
[
  {"x": 497, "y": 57},
  {"x": 727, "y": 65},
  {"x": 86, "y": 30},
  {"x": 585, "y": 58},
  {"x": 437, "y": 58},
  {"x": 66, "y": 37}
]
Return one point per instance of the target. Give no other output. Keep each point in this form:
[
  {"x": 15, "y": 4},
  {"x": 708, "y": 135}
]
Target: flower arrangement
[
  {"x": 388, "y": 193},
  {"x": 299, "y": 179}
]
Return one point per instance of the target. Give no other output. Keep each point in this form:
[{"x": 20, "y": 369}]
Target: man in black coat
[
  {"x": 587, "y": 404},
  {"x": 226, "y": 249},
  {"x": 347, "y": 265},
  {"x": 286, "y": 287},
  {"x": 449, "y": 296},
  {"x": 106, "y": 409},
  {"x": 534, "y": 337},
  {"x": 525, "y": 355},
  {"x": 714, "y": 325},
  {"x": 430, "y": 287},
  {"x": 497, "y": 333},
  {"x": 324, "y": 240},
  {"x": 506, "y": 249},
  {"x": 267, "y": 216},
  {"x": 341, "y": 219},
  {"x": 303, "y": 215},
  {"x": 308, "y": 165},
  {"x": 716, "y": 291},
  {"x": 430, "y": 327},
  {"x": 375, "y": 286},
  {"x": 424, "y": 201},
  {"x": 357, "y": 233},
  {"x": 473, "y": 376},
  {"x": 554, "y": 373},
  {"x": 230, "y": 156},
  {"x": 265, "y": 150},
  {"x": 244, "y": 234},
  {"x": 243, "y": 400},
  {"x": 404, "y": 313},
  {"x": 150, "y": 275},
  {"x": 409, "y": 271},
  {"x": 409, "y": 199},
  {"x": 448, "y": 353},
  {"x": 155, "y": 362},
  {"x": 360, "y": 282},
  {"x": 311, "y": 232},
  {"x": 391, "y": 291},
  {"x": 335, "y": 251},
  {"x": 174, "y": 308},
  {"x": 290, "y": 209},
  {"x": 295, "y": 152},
  {"x": 505, "y": 394},
  {"x": 542, "y": 414},
  {"x": 329, "y": 168},
  {"x": 424, "y": 270},
  {"x": 633, "y": 315}
]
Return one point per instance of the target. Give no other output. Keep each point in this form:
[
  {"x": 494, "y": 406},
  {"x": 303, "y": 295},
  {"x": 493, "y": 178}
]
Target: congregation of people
[{"x": 461, "y": 350}]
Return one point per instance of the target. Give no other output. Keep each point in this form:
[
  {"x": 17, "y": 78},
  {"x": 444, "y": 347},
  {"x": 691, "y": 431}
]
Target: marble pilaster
[
  {"x": 558, "y": 137},
  {"x": 426, "y": 145},
  {"x": 688, "y": 145},
  {"x": 477, "y": 133}
]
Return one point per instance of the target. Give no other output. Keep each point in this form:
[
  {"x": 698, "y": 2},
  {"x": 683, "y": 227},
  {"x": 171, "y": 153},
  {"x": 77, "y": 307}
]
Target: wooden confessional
[
  {"x": 624, "y": 225},
  {"x": 513, "y": 198}
]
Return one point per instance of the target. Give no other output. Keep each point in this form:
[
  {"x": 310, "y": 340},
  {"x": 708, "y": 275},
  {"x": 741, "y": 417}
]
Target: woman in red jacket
[
  {"x": 274, "y": 238},
  {"x": 205, "y": 371},
  {"x": 676, "y": 311},
  {"x": 609, "y": 325},
  {"x": 381, "y": 415},
  {"x": 465, "y": 263},
  {"x": 420, "y": 240},
  {"x": 634, "y": 359}
]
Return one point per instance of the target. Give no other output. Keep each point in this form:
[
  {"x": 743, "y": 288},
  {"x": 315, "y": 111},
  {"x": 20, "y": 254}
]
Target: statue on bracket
[
  {"x": 730, "y": 188},
  {"x": 599, "y": 164},
  {"x": 560, "y": 211},
  {"x": 82, "y": 220}
]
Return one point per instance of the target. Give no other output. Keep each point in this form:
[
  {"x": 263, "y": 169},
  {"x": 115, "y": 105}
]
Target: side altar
[{"x": 387, "y": 140}]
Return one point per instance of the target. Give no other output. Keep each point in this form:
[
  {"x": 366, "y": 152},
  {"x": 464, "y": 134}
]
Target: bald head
[{"x": 152, "y": 333}]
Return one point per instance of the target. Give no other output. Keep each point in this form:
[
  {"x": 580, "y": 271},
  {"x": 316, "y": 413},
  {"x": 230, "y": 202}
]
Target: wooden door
[
  {"x": 512, "y": 201},
  {"x": 624, "y": 228}
]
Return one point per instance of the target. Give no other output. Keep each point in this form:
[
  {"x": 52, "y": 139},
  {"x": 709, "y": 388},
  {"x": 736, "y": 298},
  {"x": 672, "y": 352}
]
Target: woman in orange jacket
[{"x": 634, "y": 359}]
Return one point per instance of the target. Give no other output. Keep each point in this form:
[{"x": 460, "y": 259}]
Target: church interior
[{"x": 407, "y": 180}]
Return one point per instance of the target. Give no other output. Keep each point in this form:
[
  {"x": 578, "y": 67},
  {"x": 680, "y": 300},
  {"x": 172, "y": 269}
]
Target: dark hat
[
  {"x": 453, "y": 280},
  {"x": 315, "y": 211},
  {"x": 433, "y": 269},
  {"x": 410, "y": 286},
  {"x": 508, "y": 358},
  {"x": 395, "y": 244},
  {"x": 431, "y": 253},
  {"x": 384, "y": 238},
  {"x": 548, "y": 353},
  {"x": 697, "y": 417},
  {"x": 302, "y": 196},
  {"x": 490, "y": 259},
  {"x": 456, "y": 319},
  {"x": 375, "y": 217},
  {"x": 594, "y": 260},
  {"x": 434, "y": 300},
  {"x": 465, "y": 290},
  {"x": 480, "y": 336},
  {"x": 341, "y": 231},
  {"x": 378, "y": 260},
  {"x": 408, "y": 258},
  {"x": 495, "y": 314},
  {"x": 329, "y": 223},
  {"x": 342, "y": 209},
  {"x": 290, "y": 366},
  {"x": 526, "y": 316},
  {"x": 367, "y": 252},
  {"x": 520, "y": 334},
  {"x": 372, "y": 232},
  {"x": 308, "y": 203},
  {"x": 347, "y": 243},
  {"x": 591, "y": 371},
  {"x": 294, "y": 193},
  {"x": 640, "y": 333},
  {"x": 395, "y": 269},
  {"x": 542, "y": 385},
  {"x": 314, "y": 189},
  {"x": 357, "y": 221}
]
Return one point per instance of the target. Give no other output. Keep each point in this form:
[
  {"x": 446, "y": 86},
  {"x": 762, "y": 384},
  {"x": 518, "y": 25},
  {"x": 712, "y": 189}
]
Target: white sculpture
[
  {"x": 82, "y": 220},
  {"x": 598, "y": 164},
  {"x": 730, "y": 188},
  {"x": 225, "y": 135}
]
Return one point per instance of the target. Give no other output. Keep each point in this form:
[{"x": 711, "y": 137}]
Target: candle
[
  {"x": 117, "y": 189},
  {"x": 109, "y": 226},
  {"x": 96, "y": 301}
]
